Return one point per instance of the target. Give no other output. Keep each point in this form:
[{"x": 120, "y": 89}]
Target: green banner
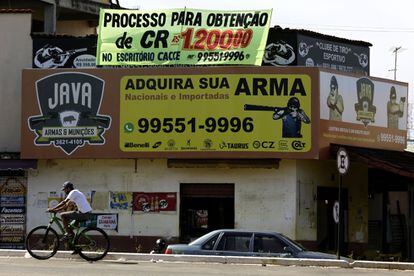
[{"x": 182, "y": 37}]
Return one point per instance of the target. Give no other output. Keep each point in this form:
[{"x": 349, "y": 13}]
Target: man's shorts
[{"x": 76, "y": 215}]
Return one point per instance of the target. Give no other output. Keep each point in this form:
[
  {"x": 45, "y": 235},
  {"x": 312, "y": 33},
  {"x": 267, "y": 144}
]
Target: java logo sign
[
  {"x": 364, "y": 108},
  {"x": 69, "y": 104}
]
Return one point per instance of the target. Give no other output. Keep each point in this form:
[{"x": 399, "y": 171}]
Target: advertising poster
[
  {"x": 64, "y": 52},
  {"x": 54, "y": 199},
  {"x": 120, "y": 200},
  {"x": 105, "y": 221},
  {"x": 12, "y": 213},
  {"x": 182, "y": 36},
  {"x": 333, "y": 55},
  {"x": 185, "y": 112},
  {"x": 281, "y": 48},
  {"x": 363, "y": 111},
  {"x": 286, "y": 47},
  {"x": 220, "y": 112},
  {"x": 100, "y": 200},
  {"x": 154, "y": 202}
]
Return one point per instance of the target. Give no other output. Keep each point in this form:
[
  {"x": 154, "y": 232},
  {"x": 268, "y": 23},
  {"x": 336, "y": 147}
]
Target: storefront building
[
  {"x": 180, "y": 185},
  {"x": 178, "y": 152}
]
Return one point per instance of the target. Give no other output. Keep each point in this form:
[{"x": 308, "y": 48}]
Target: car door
[
  {"x": 267, "y": 245},
  {"x": 234, "y": 244}
]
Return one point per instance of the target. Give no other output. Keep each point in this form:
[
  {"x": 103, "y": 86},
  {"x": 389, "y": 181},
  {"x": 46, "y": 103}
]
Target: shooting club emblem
[
  {"x": 69, "y": 104},
  {"x": 364, "y": 108}
]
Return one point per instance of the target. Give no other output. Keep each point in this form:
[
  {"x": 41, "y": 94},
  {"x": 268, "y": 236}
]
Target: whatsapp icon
[{"x": 128, "y": 127}]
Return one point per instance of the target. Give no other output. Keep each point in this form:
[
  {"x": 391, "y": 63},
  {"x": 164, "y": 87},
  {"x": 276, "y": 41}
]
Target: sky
[{"x": 385, "y": 24}]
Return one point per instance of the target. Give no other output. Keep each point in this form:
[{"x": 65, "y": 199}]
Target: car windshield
[
  {"x": 204, "y": 238},
  {"x": 296, "y": 244}
]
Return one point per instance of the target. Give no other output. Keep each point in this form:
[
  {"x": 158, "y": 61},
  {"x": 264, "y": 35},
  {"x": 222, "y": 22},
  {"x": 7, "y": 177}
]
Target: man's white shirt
[{"x": 80, "y": 201}]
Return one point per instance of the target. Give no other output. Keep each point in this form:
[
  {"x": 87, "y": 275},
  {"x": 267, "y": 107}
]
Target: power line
[{"x": 352, "y": 28}]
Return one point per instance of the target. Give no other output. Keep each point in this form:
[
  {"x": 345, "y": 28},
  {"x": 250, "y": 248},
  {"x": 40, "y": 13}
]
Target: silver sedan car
[{"x": 232, "y": 242}]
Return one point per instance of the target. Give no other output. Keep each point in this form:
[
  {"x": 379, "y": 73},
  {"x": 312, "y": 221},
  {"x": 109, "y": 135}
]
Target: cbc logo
[{"x": 264, "y": 144}]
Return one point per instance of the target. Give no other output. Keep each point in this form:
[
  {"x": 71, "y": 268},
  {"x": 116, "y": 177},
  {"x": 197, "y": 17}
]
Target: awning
[
  {"x": 18, "y": 164},
  {"x": 401, "y": 163}
]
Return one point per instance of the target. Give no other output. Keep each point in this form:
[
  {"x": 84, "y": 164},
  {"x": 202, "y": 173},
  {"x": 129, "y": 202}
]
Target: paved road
[{"x": 59, "y": 267}]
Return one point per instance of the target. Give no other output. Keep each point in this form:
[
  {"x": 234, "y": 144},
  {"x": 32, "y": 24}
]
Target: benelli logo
[
  {"x": 137, "y": 145},
  {"x": 298, "y": 145},
  {"x": 69, "y": 104}
]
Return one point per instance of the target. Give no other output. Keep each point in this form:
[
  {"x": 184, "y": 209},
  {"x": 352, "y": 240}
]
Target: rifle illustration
[
  {"x": 252, "y": 107},
  {"x": 103, "y": 121},
  {"x": 69, "y": 52},
  {"x": 279, "y": 112},
  {"x": 34, "y": 121}
]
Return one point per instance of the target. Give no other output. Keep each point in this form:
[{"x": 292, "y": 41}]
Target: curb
[
  {"x": 141, "y": 257},
  {"x": 383, "y": 265}
]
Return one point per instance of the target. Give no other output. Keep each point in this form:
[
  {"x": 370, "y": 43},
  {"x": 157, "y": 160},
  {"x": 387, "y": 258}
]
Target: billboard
[
  {"x": 362, "y": 111},
  {"x": 304, "y": 48},
  {"x": 313, "y": 51},
  {"x": 225, "y": 112},
  {"x": 64, "y": 52},
  {"x": 181, "y": 36},
  {"x": 219, "y": 112}
]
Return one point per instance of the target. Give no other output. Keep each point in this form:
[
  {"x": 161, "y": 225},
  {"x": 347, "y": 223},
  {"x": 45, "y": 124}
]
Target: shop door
[
  {"x": 13, "y": 186},
  {"x": 327, "y": 230},
  {"x": 204, "y": 208}
]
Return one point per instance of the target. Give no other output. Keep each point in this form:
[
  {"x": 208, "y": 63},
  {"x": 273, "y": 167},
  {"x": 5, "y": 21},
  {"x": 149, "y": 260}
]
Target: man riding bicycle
[{"x": 83, "y": 213}]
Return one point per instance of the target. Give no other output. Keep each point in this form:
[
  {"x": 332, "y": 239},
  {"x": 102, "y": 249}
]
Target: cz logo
[
  {"x": 298, "y": 145},
  {"x": 264, "y": 144}
]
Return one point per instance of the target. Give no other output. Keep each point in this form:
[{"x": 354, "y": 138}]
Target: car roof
[
  {"x": 207, "y": 236},
  {"x": 246, "y": 231}
]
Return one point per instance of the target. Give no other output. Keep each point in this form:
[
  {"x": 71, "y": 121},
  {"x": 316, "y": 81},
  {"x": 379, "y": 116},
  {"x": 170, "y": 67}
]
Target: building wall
[
  {"x": 15, "y": 54},
  {"x": 264, "y": 198},
  {"x": 313, "y": 173},
  {"x": 75, "y": 28}
]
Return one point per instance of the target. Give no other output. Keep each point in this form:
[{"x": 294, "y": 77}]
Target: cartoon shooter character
[
  {"x": 394, "y": 110},
  {"x": 50, "y": 56},
  {"x": 335, "y": 102},
  {"x": 292, "y": 116}
]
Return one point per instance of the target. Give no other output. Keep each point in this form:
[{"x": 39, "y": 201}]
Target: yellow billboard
[{"x": 216, "y": 112}]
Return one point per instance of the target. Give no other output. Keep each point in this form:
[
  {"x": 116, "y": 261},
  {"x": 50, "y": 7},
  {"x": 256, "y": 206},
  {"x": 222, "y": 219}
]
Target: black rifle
[
  {"x": 253, "y": 107},
  {"x": 276, "y": 109}
]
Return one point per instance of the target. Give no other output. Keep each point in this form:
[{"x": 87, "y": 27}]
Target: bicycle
[{"x": 91, "y": 243}]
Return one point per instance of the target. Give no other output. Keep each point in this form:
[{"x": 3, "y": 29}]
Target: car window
[
  {"x": 209, "y": 245},
  {"x": 234, "y": 242},
  {"x": 268, "y": 244}
]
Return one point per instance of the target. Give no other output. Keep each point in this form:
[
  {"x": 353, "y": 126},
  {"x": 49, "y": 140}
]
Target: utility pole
[{"x": 395, "y": 51}]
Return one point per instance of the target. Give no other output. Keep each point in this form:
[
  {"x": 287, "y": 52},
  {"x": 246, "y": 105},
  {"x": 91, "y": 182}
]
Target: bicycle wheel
[
  {"x": 92, "y": 244},
  {"x": 42, "y": 242}
]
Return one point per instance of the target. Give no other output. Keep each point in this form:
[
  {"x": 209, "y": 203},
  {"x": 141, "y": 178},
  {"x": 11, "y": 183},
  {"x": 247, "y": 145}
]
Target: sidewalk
[{"x": 139, "y": 257}]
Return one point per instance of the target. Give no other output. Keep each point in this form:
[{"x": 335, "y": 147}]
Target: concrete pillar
[{"x": 50, "y": 19}]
